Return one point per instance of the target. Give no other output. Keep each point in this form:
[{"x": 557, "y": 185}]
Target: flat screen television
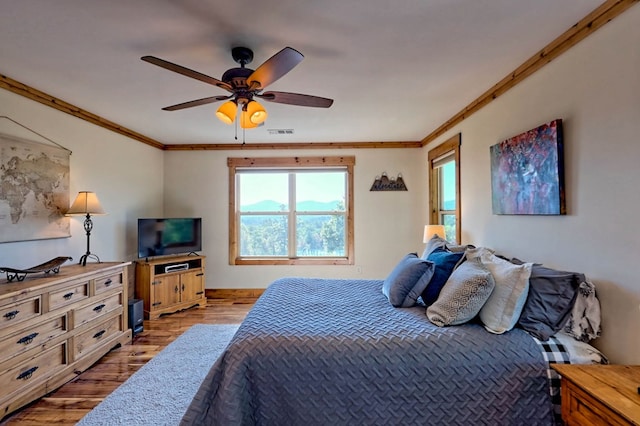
[{"x": 169, "y": 236}]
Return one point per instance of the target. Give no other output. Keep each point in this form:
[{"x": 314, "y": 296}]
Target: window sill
[{"x": 298, "y": 261}]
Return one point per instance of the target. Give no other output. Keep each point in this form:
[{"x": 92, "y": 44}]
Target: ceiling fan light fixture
[
  {"x": 227, "y": 112},
  {"x": 244, "y": 84},
  {"x": 257, "y": 113},
  {"x": 245, "y": 120}
]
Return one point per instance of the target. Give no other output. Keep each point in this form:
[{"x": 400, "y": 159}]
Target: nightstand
[{"x": 600, "y": 394}]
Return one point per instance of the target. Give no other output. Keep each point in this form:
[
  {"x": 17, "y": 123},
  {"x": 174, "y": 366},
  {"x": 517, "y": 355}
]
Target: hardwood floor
[{"x": 68, "y": 404}]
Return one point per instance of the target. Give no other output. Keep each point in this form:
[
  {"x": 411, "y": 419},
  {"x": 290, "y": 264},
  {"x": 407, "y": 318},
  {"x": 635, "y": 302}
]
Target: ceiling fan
[{"x": 245, "y": 85}]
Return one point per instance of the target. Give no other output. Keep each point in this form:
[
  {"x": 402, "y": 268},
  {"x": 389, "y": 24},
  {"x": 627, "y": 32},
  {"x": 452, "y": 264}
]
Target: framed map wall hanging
[
  {"x": 527, "y": 172},
  {"x": 34, "y": 190}
]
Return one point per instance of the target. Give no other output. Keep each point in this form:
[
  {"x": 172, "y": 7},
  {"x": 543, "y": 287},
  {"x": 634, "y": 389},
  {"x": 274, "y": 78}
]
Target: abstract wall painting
[{"x": 527, "y": 172}]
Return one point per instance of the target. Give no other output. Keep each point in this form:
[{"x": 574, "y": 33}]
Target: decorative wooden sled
[{"x": 52, "y": 265}]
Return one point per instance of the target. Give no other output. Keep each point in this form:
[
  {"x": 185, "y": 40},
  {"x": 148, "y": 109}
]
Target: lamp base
[{"x": 86, "y": 256}]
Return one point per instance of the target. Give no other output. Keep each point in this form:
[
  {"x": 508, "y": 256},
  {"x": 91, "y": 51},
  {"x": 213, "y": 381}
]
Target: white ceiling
[{"x": 396, "y": 69}]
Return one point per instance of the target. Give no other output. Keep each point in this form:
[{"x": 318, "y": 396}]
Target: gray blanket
[{"x": 335, "y": 352}]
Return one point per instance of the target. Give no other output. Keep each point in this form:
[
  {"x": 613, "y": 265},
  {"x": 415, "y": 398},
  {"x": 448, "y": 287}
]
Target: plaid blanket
[{"x": 554, "y": 352}]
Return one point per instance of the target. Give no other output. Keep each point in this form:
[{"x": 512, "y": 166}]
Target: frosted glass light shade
[
  {"x": 227, "y": 112},
  {"x": 257, "y": 113},
  {"x": 85, "y": 203},
  {"x": 431, "y": 230}
]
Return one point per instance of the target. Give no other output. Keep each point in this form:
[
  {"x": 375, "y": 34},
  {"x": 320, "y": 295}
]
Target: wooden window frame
[
  {"x": 275, "y": 163},
  {"x": 449, "y": 147}
]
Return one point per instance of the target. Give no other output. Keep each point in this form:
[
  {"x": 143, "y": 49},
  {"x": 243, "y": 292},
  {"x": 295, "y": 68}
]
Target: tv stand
[{"x": 170, "y": 284}]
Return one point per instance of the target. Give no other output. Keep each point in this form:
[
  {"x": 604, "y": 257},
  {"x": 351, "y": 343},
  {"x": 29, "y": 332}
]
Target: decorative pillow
[
  {"x": 407, "y": 281},
  {"x": 445, "y": 262},
  {"x": 551, "y": 297},
  {"x": 435, "y": 242},
  {"x": 502, "y": 310},
  {"x": 464, "y": 294}
]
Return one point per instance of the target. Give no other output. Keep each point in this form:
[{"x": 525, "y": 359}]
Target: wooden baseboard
[{"x": 230, "y": 295}]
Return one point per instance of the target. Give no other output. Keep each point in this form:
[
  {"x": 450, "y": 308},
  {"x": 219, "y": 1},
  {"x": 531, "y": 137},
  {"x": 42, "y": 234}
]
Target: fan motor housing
[{"x": 237, "y": 77}]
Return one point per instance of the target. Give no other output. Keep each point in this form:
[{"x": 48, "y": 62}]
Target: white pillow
[{"x": 504, "y": 306}]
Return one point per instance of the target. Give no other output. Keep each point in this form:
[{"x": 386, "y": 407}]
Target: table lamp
[
  {"x": 86, "y": 203},
  {"x": 431, "y": 230}
]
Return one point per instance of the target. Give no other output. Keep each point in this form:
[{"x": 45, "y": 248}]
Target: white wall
[
  {"x": 388, "y": 224},
  {"x": 126, "y": 175},
  {"x": 595, "y": 89}
]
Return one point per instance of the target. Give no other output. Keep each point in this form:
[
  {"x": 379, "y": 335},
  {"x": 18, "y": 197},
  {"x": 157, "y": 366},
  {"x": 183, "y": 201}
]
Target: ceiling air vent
[{"x": 280, "y": 131}]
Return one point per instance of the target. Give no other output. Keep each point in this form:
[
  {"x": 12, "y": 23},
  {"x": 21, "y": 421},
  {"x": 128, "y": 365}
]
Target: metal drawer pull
[
  {"x": 200, "y": 274},
  {"x": 26, "y": 375},
  {"x": 199, "y": 293},
  {"x": 68, "y": 296},
  {"x": 177, "y": 289},
  {"x": 27, "y": 339},
  {"x": 99, "y": 334},
  {"x": 11, "y": 315},
  {"x": 108, "y": 282},
  {"x": 99, "y": 307},
  {"x": 157, "y": 303}
]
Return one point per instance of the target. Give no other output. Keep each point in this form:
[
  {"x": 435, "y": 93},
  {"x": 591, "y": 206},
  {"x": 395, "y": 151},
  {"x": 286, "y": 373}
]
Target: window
[
  {"x": 444, "y": 187},
  {"x": 288, "y": 211}
]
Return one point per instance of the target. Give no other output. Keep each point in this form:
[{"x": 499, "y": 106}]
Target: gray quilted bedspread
[{"x": 335, "y": 352}]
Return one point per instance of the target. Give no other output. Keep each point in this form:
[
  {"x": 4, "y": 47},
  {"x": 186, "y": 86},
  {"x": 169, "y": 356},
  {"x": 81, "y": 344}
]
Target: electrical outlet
[{"x": 359, "y": 269}]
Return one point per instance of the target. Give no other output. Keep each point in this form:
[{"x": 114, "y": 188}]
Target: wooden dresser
[
  {"x": 600, "y": 394},
  {"x": 54, "y": 326}
]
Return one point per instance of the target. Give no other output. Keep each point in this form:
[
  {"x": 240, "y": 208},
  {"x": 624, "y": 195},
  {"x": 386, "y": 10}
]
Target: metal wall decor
[{"x": 385, "y": 183}]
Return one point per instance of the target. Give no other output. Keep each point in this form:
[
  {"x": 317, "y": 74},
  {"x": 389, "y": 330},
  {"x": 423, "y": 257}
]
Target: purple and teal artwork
[{"x": 527, "y": 172}]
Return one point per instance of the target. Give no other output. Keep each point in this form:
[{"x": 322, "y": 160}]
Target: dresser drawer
[
  {"x": 34, "y": 370},
  {"x": 88, "y": 340},
  {"x": 32, "y": 337},
  {"x": 97, "y": 309},
  {"x": 15, "y": 313},
  {"x": 109, "y": 282},
  {"x": 68, "y": 295}
]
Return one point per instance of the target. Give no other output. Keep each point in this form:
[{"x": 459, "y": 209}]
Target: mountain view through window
[{"x": 298, "y": 213}]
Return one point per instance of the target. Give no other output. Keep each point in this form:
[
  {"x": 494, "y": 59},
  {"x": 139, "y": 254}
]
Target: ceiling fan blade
[
  {"x": 186, "y": 71},
  {"x": 297, "y": 99},
  {"x": 197, "y": 102},
  {"x": 275, "y": 67}
]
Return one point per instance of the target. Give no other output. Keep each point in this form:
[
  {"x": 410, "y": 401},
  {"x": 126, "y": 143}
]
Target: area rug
[{"x": 161, "y": 390}]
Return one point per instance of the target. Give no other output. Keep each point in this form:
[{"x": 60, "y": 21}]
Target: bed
[{"x": 336, "y": 352}]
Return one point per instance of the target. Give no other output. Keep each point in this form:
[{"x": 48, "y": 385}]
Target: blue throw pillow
[
  {"x": 444, "y": 261},
  {"x": 407, "y": 281}
]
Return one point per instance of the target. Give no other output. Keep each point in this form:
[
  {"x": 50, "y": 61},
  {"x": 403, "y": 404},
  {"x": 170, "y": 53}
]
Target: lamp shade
[
  {"x": 257, "y": 113},
  {"x": 245, "y": 120},
  {"x": 431, "y": 230},
  {"x": 227, "y": 112},
  {"x": 85, "y": 203}
]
